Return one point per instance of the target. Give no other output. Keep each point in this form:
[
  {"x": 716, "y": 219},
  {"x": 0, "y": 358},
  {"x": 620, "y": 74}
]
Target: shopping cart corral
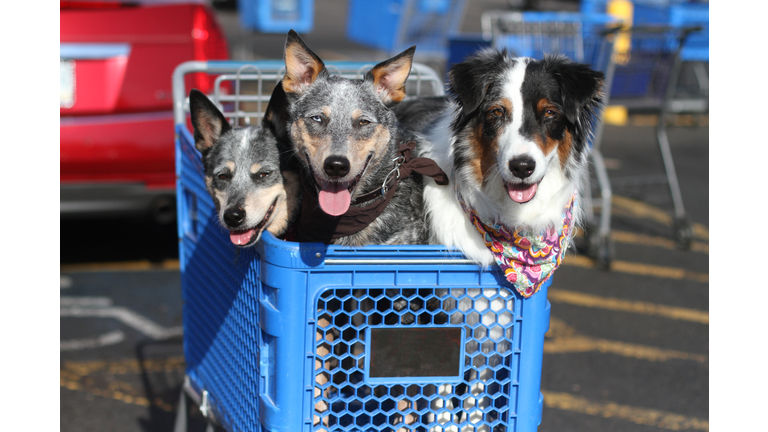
[
  {"x": 287, "y": 336},
  {"x": 641, "y": 64}
]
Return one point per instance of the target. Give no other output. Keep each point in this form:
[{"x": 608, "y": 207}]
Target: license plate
[{"x": 67, "y": 74}]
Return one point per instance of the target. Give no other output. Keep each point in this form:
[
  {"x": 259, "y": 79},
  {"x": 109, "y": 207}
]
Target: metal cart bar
[{"x": 423, "y": 81}]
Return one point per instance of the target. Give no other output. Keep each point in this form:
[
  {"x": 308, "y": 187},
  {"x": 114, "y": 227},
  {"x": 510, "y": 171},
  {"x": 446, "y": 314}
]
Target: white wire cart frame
[{"x": 241, "y": 105}]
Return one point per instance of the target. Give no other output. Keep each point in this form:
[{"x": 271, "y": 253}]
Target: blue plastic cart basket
[{"x": 290, "y": 336}]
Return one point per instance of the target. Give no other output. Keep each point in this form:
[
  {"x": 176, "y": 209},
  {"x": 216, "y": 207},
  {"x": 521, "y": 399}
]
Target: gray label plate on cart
[{"x": 415, "y": 352}]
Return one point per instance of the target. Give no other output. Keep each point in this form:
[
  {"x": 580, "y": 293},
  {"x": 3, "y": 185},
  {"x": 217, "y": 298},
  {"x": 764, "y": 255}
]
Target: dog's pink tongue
[
  {"x": 522, "y": 193},
  {"x": 242, "y": 237},
  {"x": 334, "y": 199}
]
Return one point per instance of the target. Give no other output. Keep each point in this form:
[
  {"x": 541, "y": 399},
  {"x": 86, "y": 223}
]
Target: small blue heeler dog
[
  {"x": 248, "y": 171},
  {"x": 357, "y": 161}
]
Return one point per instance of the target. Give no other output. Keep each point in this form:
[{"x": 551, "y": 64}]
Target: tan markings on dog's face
[
  {"x": 326, "y": 111},
  {"x": 547, "y": 144},
  {"x": 306, "y": 144},
  {"x": 221, "y": 198},
  {"x": 287, "y": 207},
  {"x": 356, "y": 113},
  {"x": 360, "y": 149},
  {"x": 212, "y": 191},
  {"x": 257, "y": 203},
  {"x": 255, "y": 168},
  {"x": 484, "y": 153},
  {"x": 501, "y": 108},
  {"x": 231, "y": 166},
  {"x": 564, "y": 148}
]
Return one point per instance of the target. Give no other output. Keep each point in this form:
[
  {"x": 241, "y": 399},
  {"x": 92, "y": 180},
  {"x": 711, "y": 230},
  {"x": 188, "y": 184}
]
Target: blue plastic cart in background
[
  {"x": 394, "y": 25},
  {"x": 288, "y": 336},
  {"x": 277, "y": 16}
]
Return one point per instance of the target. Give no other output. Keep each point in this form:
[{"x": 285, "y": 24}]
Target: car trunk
[{"x": 117, "y": 60}]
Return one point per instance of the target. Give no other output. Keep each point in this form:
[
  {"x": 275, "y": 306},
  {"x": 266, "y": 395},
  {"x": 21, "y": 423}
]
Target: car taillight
[
  {"x": 209, "y": 44},
  {"x": 96, "y": 4}
]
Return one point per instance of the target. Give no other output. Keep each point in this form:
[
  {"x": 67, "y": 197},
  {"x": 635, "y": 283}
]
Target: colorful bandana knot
[{"x": 527, "y": 260}]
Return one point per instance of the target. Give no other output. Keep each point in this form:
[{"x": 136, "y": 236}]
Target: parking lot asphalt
[{"x": 628, "y": 349}]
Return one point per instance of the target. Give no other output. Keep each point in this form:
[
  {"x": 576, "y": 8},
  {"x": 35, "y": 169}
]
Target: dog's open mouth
[
  {"x": 521, "y": 193},
  {"x": 250, "y": 236},
  {"x": 336, "y": 197}
]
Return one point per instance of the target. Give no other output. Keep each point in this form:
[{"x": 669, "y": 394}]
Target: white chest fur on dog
[{"x": 514, "y": 141}]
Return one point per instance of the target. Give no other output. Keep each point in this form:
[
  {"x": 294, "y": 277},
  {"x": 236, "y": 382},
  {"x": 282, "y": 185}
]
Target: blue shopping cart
[
  {"x": 290, "y": 336},
  {"x": 394, "y": 25}
]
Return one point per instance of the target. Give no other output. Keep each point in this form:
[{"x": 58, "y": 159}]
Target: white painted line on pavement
[
  {"x": 127, "y": 317},
  {"x": 111, "y": 338},
  {"x": 86, "y": 301}
]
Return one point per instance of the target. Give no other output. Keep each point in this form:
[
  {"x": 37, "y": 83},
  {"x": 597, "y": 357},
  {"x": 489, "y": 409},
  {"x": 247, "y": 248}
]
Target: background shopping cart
[
  {"x": 394, "y": 25},
  {"x": 281, "y": 336}
]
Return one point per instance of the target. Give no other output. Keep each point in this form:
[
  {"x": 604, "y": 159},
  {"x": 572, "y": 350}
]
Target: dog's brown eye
[
  {"x": 550, "y": 113},
  {"x": 364, "y": 122},
  {"x": 264, "y": 174},
  {"x": 224, "y": 176},
  {"x": 497, "y": 112}
]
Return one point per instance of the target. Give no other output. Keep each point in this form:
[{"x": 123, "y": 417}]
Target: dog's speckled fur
[
  {"x": 248, "y": 172},
  {"x": 354, "y": 119}
]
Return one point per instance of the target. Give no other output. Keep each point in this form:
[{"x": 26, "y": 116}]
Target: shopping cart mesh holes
[{"x": 483, "y": 399}]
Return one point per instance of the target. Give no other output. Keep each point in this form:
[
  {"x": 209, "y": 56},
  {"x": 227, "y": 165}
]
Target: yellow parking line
[
  {"x": 640, "y": 269},
  {"x": 170, "y": 264},
  {"x": 647, "y": 211},
  {"x": 121, "y": 367},
  {"x": 562, "y": 338},
  {"x": 74, "y": 376},
  {"x": 638, "y": 307},
  {"x": 655, "y": 241},
  {"x": 643, "y": 416},
  {"x": 605, "y": 346}
]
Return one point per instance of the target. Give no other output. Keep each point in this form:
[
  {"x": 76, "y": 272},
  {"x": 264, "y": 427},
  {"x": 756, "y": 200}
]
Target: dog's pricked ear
[
  {"x": 302, "y": 66},
  {"x": 208, "y": 122},
  {"x": 389, "y": 76},
  {"x": 276, "y": 116},
  {"x": 468, "y": 80},
  {"x": 580, "y": 87}
]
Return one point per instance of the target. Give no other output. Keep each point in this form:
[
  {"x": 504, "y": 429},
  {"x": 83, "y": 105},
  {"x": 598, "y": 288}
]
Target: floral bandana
[{"x": 528, "y": 260}]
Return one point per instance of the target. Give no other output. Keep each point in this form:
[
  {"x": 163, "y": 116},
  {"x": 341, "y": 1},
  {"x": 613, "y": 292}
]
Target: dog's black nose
[
  {"x": 522, "y": 167},
  {"x": 336, "y": 166},
  {"x": 234, "y": 216}
]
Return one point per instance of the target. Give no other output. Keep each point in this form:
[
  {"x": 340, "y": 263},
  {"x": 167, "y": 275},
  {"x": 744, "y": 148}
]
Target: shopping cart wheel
[
  {"x": 595, "y": 246},
  {"x": 683, "y": 232},
  {"x": 603, "y": 251}
]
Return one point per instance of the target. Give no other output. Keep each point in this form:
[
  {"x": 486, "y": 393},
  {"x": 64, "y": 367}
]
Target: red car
[{"x": 116, "y": 119}]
